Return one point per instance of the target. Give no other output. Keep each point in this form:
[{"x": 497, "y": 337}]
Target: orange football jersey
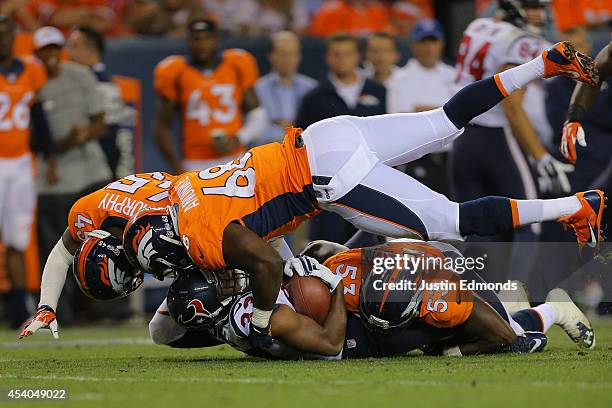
[
  {"x": 18, "y": 89},
  {"x": 116, "y": 203},
  {"x": 446, "y": 307},
  {"x": 439, "y": 308},
  {"x": 268, "y": 190},
  {"x": 349, "y": 265},
  {"x": 210, "y": 101}
]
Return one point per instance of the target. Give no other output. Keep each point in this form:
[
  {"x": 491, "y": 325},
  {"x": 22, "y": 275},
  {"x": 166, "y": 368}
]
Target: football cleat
[
  {"x": 562, "y": 59},
  {"x": 530, "y": 342},
  {"x": 571, "y": 319},
  {"x": 515, "y": 300},
  {"x": 586, "y": 222}
]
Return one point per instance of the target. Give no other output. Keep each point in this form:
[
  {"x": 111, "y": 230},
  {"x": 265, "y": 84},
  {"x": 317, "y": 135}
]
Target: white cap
[{"x": 48, "y": 36}]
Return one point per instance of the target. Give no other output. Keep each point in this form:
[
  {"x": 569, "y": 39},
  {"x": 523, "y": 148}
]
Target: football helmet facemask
[
  {"x": 101, "y": 268},
  {"x": 152, "y": 242}
]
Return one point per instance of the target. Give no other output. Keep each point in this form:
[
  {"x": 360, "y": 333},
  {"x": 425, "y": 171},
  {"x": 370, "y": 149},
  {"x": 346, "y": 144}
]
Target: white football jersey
[
  {"x": 488, "y": 45},
  {"x": 236, "y": 330}
]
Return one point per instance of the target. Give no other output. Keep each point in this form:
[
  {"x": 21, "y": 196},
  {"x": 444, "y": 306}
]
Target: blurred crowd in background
[
  {"x": 93, "y": 118},
  {"x": 260, "y": 17}
]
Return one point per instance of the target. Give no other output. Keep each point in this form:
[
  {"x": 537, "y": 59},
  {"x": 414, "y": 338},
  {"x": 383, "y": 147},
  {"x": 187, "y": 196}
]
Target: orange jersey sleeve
[
  {"x": 268, "y": 190},
  {"x": 166, "y": 76},
  {"x": 17, "y": 93},
  {"x": 115, "y": 204},
  {"x": 349, "y": 266},
  {"x": 246, "y": 65},
  {"x": 448, "y": 306}
]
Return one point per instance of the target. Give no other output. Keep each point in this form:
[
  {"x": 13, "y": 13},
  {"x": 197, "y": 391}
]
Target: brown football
[{"x": 310, "y": 297}]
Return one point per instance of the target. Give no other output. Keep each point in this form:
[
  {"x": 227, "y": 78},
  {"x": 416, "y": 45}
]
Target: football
[{"x": 310, "y": 297}]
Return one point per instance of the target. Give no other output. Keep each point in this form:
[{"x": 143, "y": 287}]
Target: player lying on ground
[
  {"x": 439, "y": 308},
  {"x": 226, "y": 213},
  {"x": 583, "y": 97},
  {"x": 470, "y": 326}
]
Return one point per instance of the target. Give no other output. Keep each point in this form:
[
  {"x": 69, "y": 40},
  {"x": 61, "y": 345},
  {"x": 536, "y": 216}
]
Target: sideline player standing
[
  {"x": 20, "y": 81},
  {"x": 490, "y": 46},
  {"x": 212, "y": 89}
]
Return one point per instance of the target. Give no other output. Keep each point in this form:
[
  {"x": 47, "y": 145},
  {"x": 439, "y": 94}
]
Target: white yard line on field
[
  {"x": 25, "y": 344},
  {"x": 293, "y": 381}
]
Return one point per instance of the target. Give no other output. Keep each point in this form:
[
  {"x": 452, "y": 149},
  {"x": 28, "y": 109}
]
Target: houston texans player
[{"x": 225, "y": 214}]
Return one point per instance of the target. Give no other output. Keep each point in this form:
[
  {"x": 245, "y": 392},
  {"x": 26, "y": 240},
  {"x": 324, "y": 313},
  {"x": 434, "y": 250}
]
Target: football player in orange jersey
[
  {"x": 107, "y": 209},
  {"x": 479, "y": 314},
  {"x": 200, "y": 312},
  {"x": 213, "y": 91},
  {"x": 20, "y": 81},
  {"x": 225, "y": 214}
]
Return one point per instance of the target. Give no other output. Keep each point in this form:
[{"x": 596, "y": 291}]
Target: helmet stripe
[{"x": 88, "y": 245}]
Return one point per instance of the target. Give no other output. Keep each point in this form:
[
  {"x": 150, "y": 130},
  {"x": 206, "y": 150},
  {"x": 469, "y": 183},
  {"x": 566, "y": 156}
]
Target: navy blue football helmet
[
  {"x": 152, "y": 243},
  {"x": 203, "y": 299},
  {"x": 102, "y": 270}
]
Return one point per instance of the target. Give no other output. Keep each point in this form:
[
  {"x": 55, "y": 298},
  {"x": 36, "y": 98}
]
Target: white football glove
[
  {"x": 326, "y": 275},
  {"x": 553, "y": 175},
  {"x": 302, "y": 265},
  {"x": 43, "y": 319}
]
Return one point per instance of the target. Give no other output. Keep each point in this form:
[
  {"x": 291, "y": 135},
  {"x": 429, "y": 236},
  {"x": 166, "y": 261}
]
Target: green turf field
[{"x": 109, "y": 367}]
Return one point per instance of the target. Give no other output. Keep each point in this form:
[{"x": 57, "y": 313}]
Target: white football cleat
[
  {"x": 571, "y": 319},
  {"x": 515, "y": 300}
]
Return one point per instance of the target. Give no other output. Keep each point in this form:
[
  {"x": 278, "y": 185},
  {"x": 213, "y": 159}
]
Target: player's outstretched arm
[
  {"x": 53, "y": 279},
  {"x": 490, "y": 330},
  {"x": 303, "y": 333},
  {"x": 583, "y": 97},
  {"x": 245, "y": 250}
]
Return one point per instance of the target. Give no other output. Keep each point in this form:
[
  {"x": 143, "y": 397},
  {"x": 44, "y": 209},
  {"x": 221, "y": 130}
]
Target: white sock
[
  {"x": 547, "y": 313},
  {"x": 530, "y": 211},
  {"x": 518, "y": 330},
  {"x": 517, "y": 77}
]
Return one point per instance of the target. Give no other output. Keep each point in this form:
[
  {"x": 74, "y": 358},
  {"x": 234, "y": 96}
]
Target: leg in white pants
[
  {"x": 393, "y": 139},
  {"x": 17, "y": 201},
  {"x": 404, "y": 137},
  {"x": 391, "y": 203},
  {"x": 361, "y": 186},
  {"x": 162, "y": 328}
]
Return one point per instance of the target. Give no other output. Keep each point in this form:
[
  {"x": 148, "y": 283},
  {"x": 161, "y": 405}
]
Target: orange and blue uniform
[
  {"x": 268, "y": 190},
  {"x": 115, "y": 204},
  {"x": 439, "y": 308},
  {"x": 210, "y": 100},
  {"x": 18, "y": 89},
  {"x": 19, "y": 85}
]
